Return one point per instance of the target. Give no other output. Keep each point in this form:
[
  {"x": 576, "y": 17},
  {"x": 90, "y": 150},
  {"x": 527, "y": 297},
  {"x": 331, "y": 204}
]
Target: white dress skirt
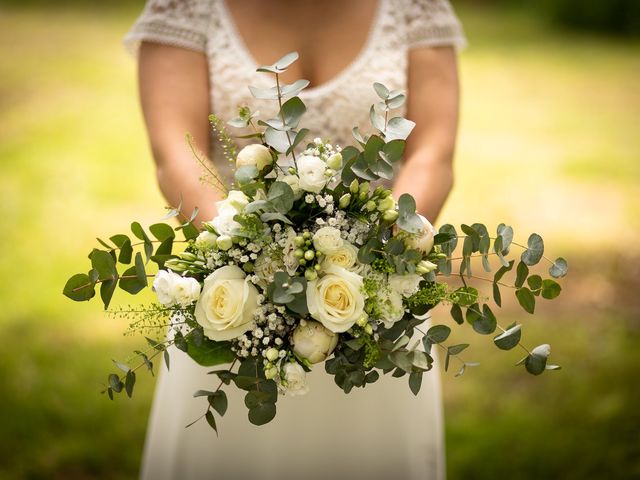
[{"x": 380, "y": 432}]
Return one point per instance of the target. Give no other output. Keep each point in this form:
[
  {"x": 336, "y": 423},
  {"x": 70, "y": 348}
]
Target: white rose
[
  {"x": 313, "y": 342},
  {"x": 288, "y": 257},
  {"x": 206, "y": 240},
  {"x": 327, "y": 240},
  {"x": 391, "y": 306},
  {"x": 235, "y": 201},
  {"x": 224, "y": 223},
  {"x": 422, "y": 241},
  {"x": 336, "y": 300},
  {"x": 227, "y": 304},
  {"x": 345, "y": 256},
  {"x": 254, "y": 155},
  {"x": 173, "y": 289},
  {"x": 405, "y": 285},
  {"x": 294, "y": 379},
  {"x": 311, "y": 173},
  {"x": 294, "y": 182}
]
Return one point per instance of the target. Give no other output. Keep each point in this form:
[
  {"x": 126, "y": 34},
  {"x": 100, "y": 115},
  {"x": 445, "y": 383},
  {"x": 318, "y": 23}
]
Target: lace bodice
[{"x": 333, "y": 107}]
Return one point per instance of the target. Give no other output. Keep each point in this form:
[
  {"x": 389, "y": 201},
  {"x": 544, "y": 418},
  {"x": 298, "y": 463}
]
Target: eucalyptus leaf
[
  {"x": 559, "y": 268},
  {"x": 534, "y": 251},
  {"x": 509, "y": 338}
]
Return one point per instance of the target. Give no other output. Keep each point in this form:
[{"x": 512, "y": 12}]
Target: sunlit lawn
[{"x": 549, "y": 142}]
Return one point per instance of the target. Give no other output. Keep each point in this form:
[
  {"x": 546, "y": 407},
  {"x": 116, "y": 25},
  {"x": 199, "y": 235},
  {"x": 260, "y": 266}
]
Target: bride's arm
[
  {"x": 174, "y": 93},
  {"x": 432, "y": 98}
]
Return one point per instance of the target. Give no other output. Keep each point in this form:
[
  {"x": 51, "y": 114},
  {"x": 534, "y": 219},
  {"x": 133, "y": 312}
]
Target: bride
[{"x": 197, "y": 57}]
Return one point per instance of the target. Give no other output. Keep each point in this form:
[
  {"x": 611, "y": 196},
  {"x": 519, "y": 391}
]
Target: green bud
[
  {"x": 248, "y": 267},
  {"x": 363, "y": 320},
  {"x": 364, "y": 187},
  {"x": 292, "y": 170},
  {"x": 368, "y": 328},
  {"x": 317, "y": 267},
  {"x": 370, "y": 206},
  {"x": 345, "y": 200},
  {"x": 306, "y": 235},
  {"x": 329, "y": 172},
  {"x": 189, "y": 257},
  {"x": 302, "y": 262},
  {"x": 310, "y": 275},
  {"x": 335, "y": 161},
  {"x": 390, "y": 216},
  {"x": 298, "y": 241},
  {"x": 353, "y": 188},
  {"x": 425, "y": 266},
  {"x": 387, "y": 203},
  {"x": 362, "y": 196},
  {"x": 271, "y": 373},
  {"x": 299, "y": 253},
  {"x": 378, "y": 191},
  {"x": 224, "y": 242},
  {"x": 272, "y": 354},
  {"x": 309, "y": 255}
]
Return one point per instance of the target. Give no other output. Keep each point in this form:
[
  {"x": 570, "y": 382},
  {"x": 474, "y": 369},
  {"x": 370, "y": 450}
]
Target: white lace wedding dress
[{"x": 380, "y": 432}]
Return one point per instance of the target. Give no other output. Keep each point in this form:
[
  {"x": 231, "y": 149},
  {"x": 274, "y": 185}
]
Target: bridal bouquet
[{"x": 307, "y": 262}]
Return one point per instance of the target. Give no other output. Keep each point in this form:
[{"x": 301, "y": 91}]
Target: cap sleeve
[
  {"x": 180, "y": 23},
  {"x": 432, "y": 23}
]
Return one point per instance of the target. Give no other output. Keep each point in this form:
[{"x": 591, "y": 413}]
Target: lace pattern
[{"x": 334, "y": 107}]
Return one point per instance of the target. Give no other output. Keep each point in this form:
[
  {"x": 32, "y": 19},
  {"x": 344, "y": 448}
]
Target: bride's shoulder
[
  {"x": 182, "y": 23},
  {"x": 429, "y": 23}
]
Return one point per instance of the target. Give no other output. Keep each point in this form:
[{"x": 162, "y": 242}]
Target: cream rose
[
  {"x": 227, "y": 304},
  {"x": 173, "y": 289},
  {"x": 313, "y": 342},
  {"x": 254, "y": 155},
  {"x": 336, "y": 300},
  {"x": 294, "y": 379},
  {"x": 346, "y": 257},
  {"x": 327, "y": 240},
  {"x": 311, "y": 173},
  {"x": 405, "y": 285}
]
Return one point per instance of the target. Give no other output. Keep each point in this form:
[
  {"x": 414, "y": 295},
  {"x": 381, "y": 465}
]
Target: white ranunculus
[
  {"x": 312, "y": 341},
  {"x": 294, "y": 182},
  {"x": 336, "y": 299},
  {"x": 422, "y": 241},
  {"x": 227, "y": 304},
  {"x": 327, "y": 240},
  {"x": 391, "y": 306},
  {"x": 173, "y": 289},
  {"x": 289, "y": 259},
  {"x": 345, "y": 256},
  {"x": 254, "y": 155},
  {"x": 224, "y": 223},
  {"x": 206, "y": 240},
  {"x": 311, "y": 173},
  {"x": 405, "y": 285},
  {"x": 294, "y": 379}
]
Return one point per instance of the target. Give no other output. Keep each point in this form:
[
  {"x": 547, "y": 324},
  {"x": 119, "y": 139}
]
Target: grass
[{"x": 547, "y": 142}]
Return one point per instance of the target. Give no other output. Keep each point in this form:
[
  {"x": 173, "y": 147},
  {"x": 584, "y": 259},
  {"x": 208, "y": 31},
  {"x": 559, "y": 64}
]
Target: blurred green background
[{"x": 549, "y": 142}]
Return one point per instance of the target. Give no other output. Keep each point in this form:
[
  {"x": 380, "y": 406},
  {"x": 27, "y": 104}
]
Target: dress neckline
[{"x": 353, "y": 65}]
